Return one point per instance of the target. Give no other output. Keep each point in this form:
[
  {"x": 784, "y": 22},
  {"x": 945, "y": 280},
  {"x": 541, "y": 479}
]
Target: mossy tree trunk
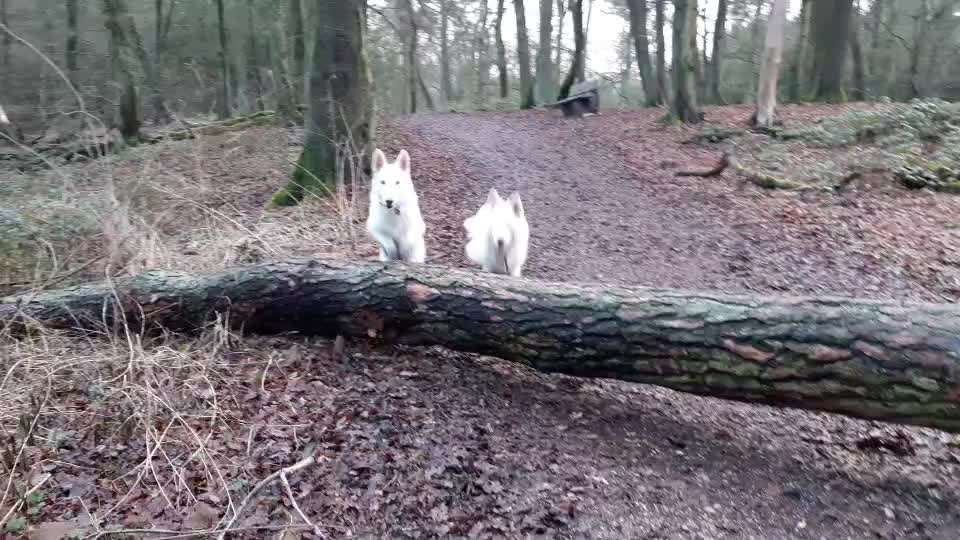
[
  {"x": 446, "y": 80},
  {"x": 339, "y": 122},
  {"x": 579, "y": 44},
  {"x": 684, "y": 105},
  {"x": 523, "y": 57},
  {"x": 286, "y": 86},
  {"x": 887, "y": 361},
  {"x": 638, "y": 29},
  {"x": 859, "y": 90}
]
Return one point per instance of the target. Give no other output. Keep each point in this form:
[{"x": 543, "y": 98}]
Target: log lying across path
[{"x": 892, "y": 362}]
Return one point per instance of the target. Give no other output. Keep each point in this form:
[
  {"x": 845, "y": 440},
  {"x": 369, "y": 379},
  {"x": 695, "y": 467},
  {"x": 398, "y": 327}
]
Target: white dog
[
  {"x": 394, "y": 218},
  {"x": 498, "y": 235}
]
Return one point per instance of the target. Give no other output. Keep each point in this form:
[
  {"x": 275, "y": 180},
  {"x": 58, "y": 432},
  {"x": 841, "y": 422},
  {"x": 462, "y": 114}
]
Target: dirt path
[{"x": 604, "y": 205}]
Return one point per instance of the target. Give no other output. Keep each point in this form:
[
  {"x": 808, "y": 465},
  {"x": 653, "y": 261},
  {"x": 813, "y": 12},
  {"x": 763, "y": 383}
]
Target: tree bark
[
  {"x": 446, "y": 80},
  {"x": 73, "y": 39},
  {"x": 126, "y": 47},
  {"x": 580, "y": 41},
  {"x": 7, "y": 39},
  {"x": 223, "y": 57},
  {"x": 523, "y": 56},
  {"x": 340, "y": 121},
  {"x": 661, "y": 21},
  {"x": 638, "y": 29},
  {"x": 501, "y": 51},
  {"x": 684, "y": 105},
  {"x": 561, "y": 16},
  {"x": 286, "y": 87},
  {"x": 716, "y": 62},
  {"x": 876, "y": 360},
  {"x": 162, "y": 22},
  {"x": 770, "y": 70},
  {"x": 298, "y": 46},
  {"x": 481, "y": 49},
  {"x": 858, "y": 92},
  {"x": 412, "y": 39},
  {"x": 253, "y": 57},
  {"x": 799, "y": 69},
  {"x": 544, "y": 78},
  {"x": 831, "y": 32}
]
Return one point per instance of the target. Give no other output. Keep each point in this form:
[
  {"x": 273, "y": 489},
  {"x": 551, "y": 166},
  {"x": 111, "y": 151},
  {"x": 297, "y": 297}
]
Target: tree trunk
[
  {"x": 582, "y": 66},
  {"x": 755, "y": 45},
  {"x": 858, "y": 92},
  {"x": 770, "y": 70},
  {"x": 662, "y": 90},
  {"x": 544, "y": 78},
  {"x": 523, "y": 56},
  {"x": 684, "y": 105},
  {"x": 481, "y": 49},
  {"x": 340, "y": 121},
  {"x": 799, "y": 71},
  {"x": 561, "y": 16},
  {"x": 126, "y": 45},
  {"x": 224, "y": 100},
  {"x": 7, "y": 39},
  {"x": 638, "y": 29},
  {"x": 253, "y": 57},
  {"x": 831, "y": 30},
  {"x": 299, "y": 48},
  {"x": 886, "y": 361},
  {"x": 445, "y": 76},
  {"x": 877, "y": 13},
  {"x": 580, "y": 41},
  {"x": 73, "y": 39},
  {"x": 719, "y": 36},
  {"x": 427, "y": 98},
  {"x": 412, "y": 39},
  {"x": 287, "y": 90},
  {"x": 501, "y": 51},
  {"x": 162, "y": 21}
]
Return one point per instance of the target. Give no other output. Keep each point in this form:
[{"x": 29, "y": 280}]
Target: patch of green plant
[{"x": 919, "y": 121}]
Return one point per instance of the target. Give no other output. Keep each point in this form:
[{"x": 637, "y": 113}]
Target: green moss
[{"x": 313, "y": 176}]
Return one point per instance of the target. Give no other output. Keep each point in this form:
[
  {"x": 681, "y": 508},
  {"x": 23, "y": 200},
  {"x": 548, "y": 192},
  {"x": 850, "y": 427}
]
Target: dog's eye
[
  {"x": 384, "y": 182},
  {"x": 398, "y": 182}
]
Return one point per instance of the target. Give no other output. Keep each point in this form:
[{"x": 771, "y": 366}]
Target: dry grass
[{"x": 157, "y": 401}]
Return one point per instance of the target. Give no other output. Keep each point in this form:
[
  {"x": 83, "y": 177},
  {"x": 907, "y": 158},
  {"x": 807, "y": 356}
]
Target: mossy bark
[
  {"x": 125, "y": 42},
  {"x": 339, "y": 123},
  {"x": 879, "y": 360},
  {"x": 684, "y": 106}
]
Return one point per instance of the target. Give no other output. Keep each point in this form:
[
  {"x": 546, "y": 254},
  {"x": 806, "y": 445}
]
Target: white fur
[
  {"x": 398, "y": 228},
  {"x": 498, "y": 235}
]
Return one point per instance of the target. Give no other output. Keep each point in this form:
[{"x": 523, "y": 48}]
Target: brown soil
[{"x": 428, "y": 443}]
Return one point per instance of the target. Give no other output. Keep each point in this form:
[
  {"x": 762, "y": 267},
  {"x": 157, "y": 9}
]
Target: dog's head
[
  {"x": 504, "y": 219},
  {"x": 392, "y": 185}
]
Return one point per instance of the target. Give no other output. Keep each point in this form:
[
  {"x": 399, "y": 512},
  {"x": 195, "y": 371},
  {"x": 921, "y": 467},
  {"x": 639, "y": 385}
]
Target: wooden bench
[{"x": 584, "y": 98}]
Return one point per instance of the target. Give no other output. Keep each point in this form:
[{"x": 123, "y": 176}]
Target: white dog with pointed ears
[
  {"x": 394, "y": 218},
  {"x": 498, "y": 235}
]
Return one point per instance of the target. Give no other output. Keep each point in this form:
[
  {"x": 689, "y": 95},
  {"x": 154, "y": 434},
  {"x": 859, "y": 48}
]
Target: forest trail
[{"x": 604, "y": 204}]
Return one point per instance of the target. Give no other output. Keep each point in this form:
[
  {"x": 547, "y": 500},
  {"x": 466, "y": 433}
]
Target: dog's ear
[
  {"x": 516, "y": 204},
  {"x": 403, "y": 159},
  {"x": 493, "y": 197},
  {"x": 378, "y": 161}
]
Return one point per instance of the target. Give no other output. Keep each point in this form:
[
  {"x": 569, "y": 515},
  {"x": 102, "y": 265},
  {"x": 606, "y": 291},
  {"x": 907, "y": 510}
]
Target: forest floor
[{"x": 170, "y": 433}]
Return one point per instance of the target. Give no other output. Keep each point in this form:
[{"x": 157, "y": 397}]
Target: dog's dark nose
[
  {"x": 389, "y": 203},
  {"x": 500, "y": 242}
]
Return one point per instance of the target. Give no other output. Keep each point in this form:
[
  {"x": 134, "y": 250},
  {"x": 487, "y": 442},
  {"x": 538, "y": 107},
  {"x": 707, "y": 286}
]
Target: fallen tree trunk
[{"x": 869, "y": 359}]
